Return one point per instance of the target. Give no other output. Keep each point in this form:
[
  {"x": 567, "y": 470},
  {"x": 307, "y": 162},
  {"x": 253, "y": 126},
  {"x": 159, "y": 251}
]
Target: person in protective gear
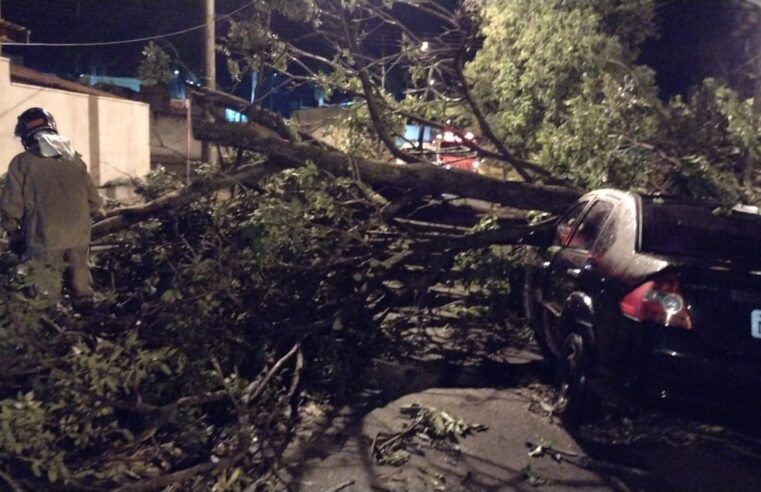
[{"x": 46, "y": 207}]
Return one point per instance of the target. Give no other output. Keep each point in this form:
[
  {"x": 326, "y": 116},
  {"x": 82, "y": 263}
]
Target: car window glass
[
  {"x": 607, "y": 236},
  {"x": 692, "y": 229},
  {"x": 589, "y": 229},
  {"x": 567, "y": 223}
]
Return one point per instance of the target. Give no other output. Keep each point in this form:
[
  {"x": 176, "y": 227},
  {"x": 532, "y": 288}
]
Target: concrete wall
[
  {"x": 111, "y": 134},
  {"x": 169, "y": 139},
  {"x": 326, "y": 123},
  {"x": 123, "y": 129}
]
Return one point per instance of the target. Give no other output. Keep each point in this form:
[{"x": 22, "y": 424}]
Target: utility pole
[
  {"x": 210, "y": 71},
  {"x": 210, "y": 62}
]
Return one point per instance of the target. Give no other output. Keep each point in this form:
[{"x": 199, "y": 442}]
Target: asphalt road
[
  {"x": 497, "y": 458},
  {"x": 671, "y": 449}
]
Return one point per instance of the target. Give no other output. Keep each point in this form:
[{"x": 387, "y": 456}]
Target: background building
[{"x": 110, "y": 132}]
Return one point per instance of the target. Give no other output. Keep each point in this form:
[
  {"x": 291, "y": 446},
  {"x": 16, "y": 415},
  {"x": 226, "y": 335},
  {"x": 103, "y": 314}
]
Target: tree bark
[
  {"x": 121, "y": 218},
  {"x": 421, "y": 178}
]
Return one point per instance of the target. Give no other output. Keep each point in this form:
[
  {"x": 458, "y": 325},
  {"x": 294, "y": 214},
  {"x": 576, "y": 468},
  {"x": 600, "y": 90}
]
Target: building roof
[
  {"x": 27, "y": 75},
  {"x": 12, "y": 32}
]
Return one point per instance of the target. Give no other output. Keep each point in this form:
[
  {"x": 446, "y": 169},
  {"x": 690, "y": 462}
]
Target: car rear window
[{"x": 698, "y": 230}]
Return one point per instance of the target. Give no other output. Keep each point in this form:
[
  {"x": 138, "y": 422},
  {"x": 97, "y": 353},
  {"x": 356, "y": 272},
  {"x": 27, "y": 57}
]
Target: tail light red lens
[{"x": 660, "y": 301}]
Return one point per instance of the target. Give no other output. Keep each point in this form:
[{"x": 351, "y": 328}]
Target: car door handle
[{"x": 573, "y": 272}]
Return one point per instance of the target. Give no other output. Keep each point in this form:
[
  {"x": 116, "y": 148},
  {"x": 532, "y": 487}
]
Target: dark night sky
[
  {"x": 692, "y": 42},
  {"x": 696, "y": 39},
  {"x": 71, "y": 21}
]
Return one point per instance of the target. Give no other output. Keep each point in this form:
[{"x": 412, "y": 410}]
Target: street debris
[
  {"x": 542, "y": 449},
  {"x": 534, "y": 479},
  {"x": 545, "y": 449},
  {"x": 429, "y": 427}
]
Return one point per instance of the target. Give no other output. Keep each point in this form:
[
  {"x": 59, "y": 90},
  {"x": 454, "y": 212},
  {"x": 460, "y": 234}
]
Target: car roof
[
  {"x": 650, "y": 197},
  {"x": 655, "y": 198},
  {"x": 610, "y": 193}
]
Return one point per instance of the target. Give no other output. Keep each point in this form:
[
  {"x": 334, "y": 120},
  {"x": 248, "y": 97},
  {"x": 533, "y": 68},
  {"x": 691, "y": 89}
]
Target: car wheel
[{"x": 573, "y": 401}]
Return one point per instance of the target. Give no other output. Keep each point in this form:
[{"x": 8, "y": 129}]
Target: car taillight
[{"x": 659, "y": 301}]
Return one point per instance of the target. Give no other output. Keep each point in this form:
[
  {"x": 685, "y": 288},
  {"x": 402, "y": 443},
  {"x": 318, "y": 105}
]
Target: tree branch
[
  {"x": 121, "y": 218},
  {"x": 536, "y": 168},
  {"x": 422, "y": 178},
  {"x": 483, "y": 123},
  {"x": 255, "y": 113},
  {"x": 372, "y": 104}
]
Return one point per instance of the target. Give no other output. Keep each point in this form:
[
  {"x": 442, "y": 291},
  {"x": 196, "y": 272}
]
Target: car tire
[{"x": 574, "y": 403}]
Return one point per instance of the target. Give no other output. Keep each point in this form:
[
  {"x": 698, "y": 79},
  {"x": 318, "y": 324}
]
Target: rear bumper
[{"x": 678, "y": 364}]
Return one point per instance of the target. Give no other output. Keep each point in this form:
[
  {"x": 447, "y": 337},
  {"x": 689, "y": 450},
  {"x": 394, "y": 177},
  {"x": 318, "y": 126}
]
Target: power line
[{"x": 136, "y": 40}]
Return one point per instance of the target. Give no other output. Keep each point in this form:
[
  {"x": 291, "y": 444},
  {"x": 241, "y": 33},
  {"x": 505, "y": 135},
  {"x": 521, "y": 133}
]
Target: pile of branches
[
  {"x": 227, "y": 305},
  {"x": 221, "y": 313}
]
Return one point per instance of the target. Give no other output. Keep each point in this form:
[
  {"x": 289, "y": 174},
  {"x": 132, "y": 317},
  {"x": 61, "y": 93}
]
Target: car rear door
[{"x": 570, "y": 271}]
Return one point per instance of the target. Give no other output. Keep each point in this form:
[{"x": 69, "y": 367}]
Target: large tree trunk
[{"x": 420, "y": 178}]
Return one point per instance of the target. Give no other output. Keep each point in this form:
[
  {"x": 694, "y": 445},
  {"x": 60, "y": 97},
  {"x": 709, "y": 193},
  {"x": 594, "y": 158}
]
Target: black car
[{"x": 648, "y": 292}]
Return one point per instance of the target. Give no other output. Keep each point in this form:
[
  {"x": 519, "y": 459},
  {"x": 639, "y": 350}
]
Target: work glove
[{"x": 16, "y": 242}]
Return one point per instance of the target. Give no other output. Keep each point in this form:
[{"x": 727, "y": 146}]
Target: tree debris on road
[{"x": 429, "y": 427}]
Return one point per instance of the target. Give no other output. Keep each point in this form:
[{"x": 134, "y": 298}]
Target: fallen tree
[
  {"x": 219, "y": 319},
  {"x": 224, "y": 315},
  {"x": 417, "y": 178}
]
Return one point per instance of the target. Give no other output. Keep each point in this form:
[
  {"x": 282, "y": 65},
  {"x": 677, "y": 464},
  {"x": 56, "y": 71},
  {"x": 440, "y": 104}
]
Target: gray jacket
[{"x": 50, "y": 199}]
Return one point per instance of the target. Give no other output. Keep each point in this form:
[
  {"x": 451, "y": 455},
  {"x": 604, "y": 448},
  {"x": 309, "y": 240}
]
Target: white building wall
[
  {"x": 111, "y": 134},
  {"x": 124, "y": 133}
]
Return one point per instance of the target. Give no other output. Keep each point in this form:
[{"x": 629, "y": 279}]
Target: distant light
[
  {"x": 476, "y": 164},
  {"x": 425, "y": 46},
  {"x": 177, "y": 72},
  {"x": 431, "y": 82},
  {"x": 469, "y": 136}
]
